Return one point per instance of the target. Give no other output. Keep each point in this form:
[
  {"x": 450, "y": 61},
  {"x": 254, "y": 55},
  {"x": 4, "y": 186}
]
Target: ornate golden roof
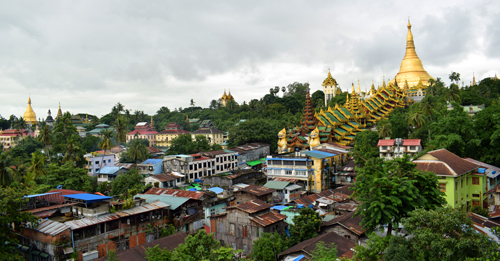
[
  {"x": 411, "y": 67},
  {"x": 29, "y": 115},
  {"x": 59, "y": 112},
  {"x": 224, "y": 96},
  {"x": 329, "y": 81}
]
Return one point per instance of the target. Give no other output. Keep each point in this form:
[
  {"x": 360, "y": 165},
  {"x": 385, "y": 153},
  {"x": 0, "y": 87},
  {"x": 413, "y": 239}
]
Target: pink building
[{"x": 143, "y": 131}]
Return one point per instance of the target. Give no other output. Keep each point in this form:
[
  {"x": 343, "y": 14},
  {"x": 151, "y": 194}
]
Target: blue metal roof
[
  {"x": 318, "y": 154},
  {"x": 152, "y": 161},
  {"x": 38, "y": 195},
  {"x": 109, "y": 170},
  {"x": 299, "y": 258},
  {"x": 279, "y": 207},
  {"x": 217, "y": 190},
  {"x": 90, "y": 198}
]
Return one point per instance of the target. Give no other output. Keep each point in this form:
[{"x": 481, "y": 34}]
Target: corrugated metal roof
[
  {"x": 52, "y": 228},
  {"x": 485, "y": 165},
  {"x": 90, "y": 198},
  {"x": 217, "y": 190},
  {"x": 292, "y": 187},
  {"x": 152, "y": 161},
  {"x": 252, "y": 206},
  {"x": 258, "y": 190},
  {"x": 176, "y": 193},
  {"x": 268, "y": 218},
  {"x": 276, "y": 184},
  {"x": 173, "y": 202},
  {"x": 318, "y": 154},
  {"x": 164, "y": 177},
  {"x": 109, "y": 170},
  {"x": 85, "y": 222}
]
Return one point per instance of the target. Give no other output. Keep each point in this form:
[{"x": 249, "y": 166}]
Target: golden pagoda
[
  {"x": 29, "y": 115},
  {"x": 412, "y": 69},
  {"x": 226, "y": 98},
  {"x": 59, "y": 112}
]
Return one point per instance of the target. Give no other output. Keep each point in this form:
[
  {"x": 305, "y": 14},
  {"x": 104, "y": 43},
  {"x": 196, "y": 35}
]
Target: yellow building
[
  {"x": 207, "y": 129},
  {"x": 29, "y": 115},
  {"x": 170, "y": 132},
  {"x": 330, "y": 88},
  {"x": 226, "y": 98}
]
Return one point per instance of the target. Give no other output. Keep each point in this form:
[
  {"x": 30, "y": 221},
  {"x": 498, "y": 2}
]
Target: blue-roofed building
[
  {"x": 109, "y": 173},
  {"x": 151, "y": 167}
]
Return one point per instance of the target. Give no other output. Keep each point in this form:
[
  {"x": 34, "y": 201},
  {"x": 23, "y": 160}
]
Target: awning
[{"x": 254, "y": 163}]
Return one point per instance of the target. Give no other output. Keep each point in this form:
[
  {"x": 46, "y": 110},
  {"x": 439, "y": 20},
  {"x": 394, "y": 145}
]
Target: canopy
[{"x": 254, "y": 163}]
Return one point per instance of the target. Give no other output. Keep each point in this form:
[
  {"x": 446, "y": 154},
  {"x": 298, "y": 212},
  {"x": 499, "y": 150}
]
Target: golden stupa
[
  {"x": 411, "y": 69},
  {"x": 29, "y": 115}
]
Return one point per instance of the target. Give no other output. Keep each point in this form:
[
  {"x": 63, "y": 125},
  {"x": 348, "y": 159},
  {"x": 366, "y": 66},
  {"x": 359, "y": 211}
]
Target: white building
[
  {"x": 396, "y": 148},
  {"x": 97, "y": 160},
  {"x": 166, "y": 180}
]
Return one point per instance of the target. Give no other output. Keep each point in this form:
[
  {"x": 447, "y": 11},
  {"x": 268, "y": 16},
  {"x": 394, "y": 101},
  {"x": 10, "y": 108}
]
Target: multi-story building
[
  {"x": 143, "y": 131},
  {"x": 151, "y": 167},
  {"x": 225, "y": 160},
  {"x": 396, "y": 148},
  {"x": 166, "y": 180},
  {"x": 492, "y": 172},
  {"x": 10, "y": 137},
  {"x": 293, "y": 166},
  {"x": 97, "y": 160},
  {"x": 244, "y": 223},
  {"x": 458, "y": 178},
  {"x": 170, "y": 132},
  {"x": 207, "y": 129},
  {"x": 250, "y": 152},
  {"x": 194, "y": 166},
  {"x": 108, "y": 174}
]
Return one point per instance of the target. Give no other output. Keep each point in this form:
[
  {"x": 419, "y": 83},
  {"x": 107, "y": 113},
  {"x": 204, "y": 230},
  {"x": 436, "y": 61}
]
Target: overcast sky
[{"x": 89, "y": 55}]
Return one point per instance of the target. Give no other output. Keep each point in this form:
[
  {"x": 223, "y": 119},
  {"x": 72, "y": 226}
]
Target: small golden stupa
[{"x": 29, "y": 115}]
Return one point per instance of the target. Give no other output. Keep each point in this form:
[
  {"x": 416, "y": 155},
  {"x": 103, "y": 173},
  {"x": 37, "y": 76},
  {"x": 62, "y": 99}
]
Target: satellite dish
[{"x": 59, "y": 187}]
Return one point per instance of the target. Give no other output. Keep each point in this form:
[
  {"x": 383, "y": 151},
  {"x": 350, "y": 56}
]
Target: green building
[{"x": 458, "y": 178}]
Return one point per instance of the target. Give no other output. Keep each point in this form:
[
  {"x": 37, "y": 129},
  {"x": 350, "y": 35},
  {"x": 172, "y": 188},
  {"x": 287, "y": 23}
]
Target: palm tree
[
  {"x": 137, "y": 151},
  {"x": 46, "y": 138},
  {"x": 20, "y": 124},
  {"x": 452, "y": 93},
  {"x": 106, "y": 142},
  {"x": 417, "y": 118},
  {"x": 120, "y": 126},
  {"x": 7, "y": 173},
  {"x": 120, "y": 107},
  {"x": 36, "y": 168},
  {"x": 384, "y": 128},
  {"x": 72, "y": 150}
]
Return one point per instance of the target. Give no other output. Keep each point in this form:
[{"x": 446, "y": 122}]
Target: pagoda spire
[
  {"x": 353, "y": 91},
  {"x": 359, "y": 89},
  {"x": 309, "y": 121},
  {"x": 473, "y": 79},
  {"x": 152, "y": 126}
]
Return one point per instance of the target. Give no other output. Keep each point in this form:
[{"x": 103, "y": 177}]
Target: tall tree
[
  {"x": 365, "y": 147},
  {"x": 73, "y": 150},
  {"x": 454, "y": 77},
  {"x": 384, "y": 128},
  {"x": 306, "y": 225},
  {"x": 36, "y": 167},
  {"x": 389, "y": 190},
  {"x": 323, "y": 252},
  {"x": 120, "y": 126},
  {"x": 196, "y": 247},
  {"x": 268, "y": 247},
  {"x": 137, "y": 151},
  {"x": 106, "y": 142},
  {"x": 7, "y": 173},
  {"x": 45, "y": 137}
]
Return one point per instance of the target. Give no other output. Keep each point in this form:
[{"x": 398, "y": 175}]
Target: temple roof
[{"x": 329, "y": 80}]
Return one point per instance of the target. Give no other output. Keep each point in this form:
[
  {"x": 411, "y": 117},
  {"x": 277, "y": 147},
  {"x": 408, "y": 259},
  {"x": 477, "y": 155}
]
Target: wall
[
  {"x": 338, "y": 229},
  {"x": 219, "y": 208}
]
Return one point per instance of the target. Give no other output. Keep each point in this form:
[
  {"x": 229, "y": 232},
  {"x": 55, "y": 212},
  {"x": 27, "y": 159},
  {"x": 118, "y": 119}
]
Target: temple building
[
  {"x": 29, "y": 115},
  {"x": 330, "y": 88},
  {"x": 59, "y": 112},
  {"x": 49, "y": 120},
  {"x": 226, "y": 98}
]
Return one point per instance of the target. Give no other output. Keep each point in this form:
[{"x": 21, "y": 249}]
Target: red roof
[
  {"x": 142, "y": 132},
  {"x": 268, "y": 218},
  {"x": 385, "y": 143},
  {"x": 413, "y": 142}
]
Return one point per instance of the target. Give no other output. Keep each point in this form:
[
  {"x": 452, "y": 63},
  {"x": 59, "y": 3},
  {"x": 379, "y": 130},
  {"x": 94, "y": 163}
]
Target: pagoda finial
[
  {"x": 359, "y": 89},
  {"x": 353, "y": 91},
  {"x": 473, "y": 78},
  {"x": 152, "y": 121},
  {"x": 383, "y": 82}
]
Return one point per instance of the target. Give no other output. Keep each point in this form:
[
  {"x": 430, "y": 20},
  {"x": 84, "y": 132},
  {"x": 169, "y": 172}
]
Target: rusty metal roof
[
  {"x": 437, "y": 167},
  {"x": 342, "y": 244},
  {"x": 52, "y": 228},
  {"x": 286, "y": 179},
  {"x": 307, "y": 200},
  {"x": 347, "y": 221},
  {"x": 176, "y": 193},
  {"x": 459, "y": 165},
  {"x": 268, "y": 218},
  {"x": 85, "y": 222},
  {"x": 36, "y": 210},
  {"x": 164, "y": 177},
  {"x": 252, "y": 206},
  {"x": 258, "y": 190},
  {"x": 351, "y": 206}
]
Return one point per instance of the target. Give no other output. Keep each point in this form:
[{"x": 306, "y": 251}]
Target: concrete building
[
  {"x": 396, "y": 148},
  {"x": 225, "y": 160},
  {"x": 166, "y": 180},
  {"x": 250, "y": 152},
  {"x": 143, "y": 131},
  {"x": 243, "y": 223},
  {"x": 151, "y": 167},
  {"x": 97, "y": 160},
  {"x": 459, "y": 179},
  {"x": 492, "y": 172},
  {"x": 108, "y": 174},
  {"x": 170, "y": 132},
  {"x": 194, "y": 166},
  {"x": 208, "y": 130}
]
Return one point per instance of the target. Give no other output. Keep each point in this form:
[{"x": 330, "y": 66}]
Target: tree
[
  {"x": 20, "y": 125},
  {"x": 318, "y": 99},
  {"x": 323, "y": 252},
  {"x": 74, "y": 152},
  {"x": 46, "y": 138},
  {"x": 7, "y": 173},
  {"x": 106, "y": 143},
  {"x": 365, "y": 147},
  {"x": 306, "y": 225},
  {"x": 389, "y": 190},
  {"x": 12, "y": 220},
  {"x": 67, "y": 175},
  {"x": 157, "y": 254},
  {"x": 36, "y": 167},
  {"x": 443, "y": 234},
  {"x": 137, "y": 151},
  {"x": 127, "y": 181},
  {"x": 90, "y": 143},
  {"x": 112, "y": 256},
  {"x": 398, "y": 123},
  {"x": 455, "y": 77},
  {"x": 268, "y": 246},
  {"x": 384, "y": 128},
  {"x": 255, "y": 130},
  {"x": 196, "y": 247},
  {"x": 120, "y": 126}
]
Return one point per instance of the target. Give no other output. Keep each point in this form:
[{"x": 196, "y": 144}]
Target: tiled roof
[
  {"x": 252, "y": 206},
  {"x": 176, "y": 193},
  {"x": 412, "y": 142},
  {"x": 342, "y": 244},
  {"x": 164, "y": 177},
  {"x": 268, "y": 218},
  {"x": 207, "y": 131},
  {"x": 258, "y": 190},
  {"x": 459, "y": 165},
  {"x": 142, "y": 132},
  {"x": 385, "y": 143},
  {"x": 174, "y": 132},
  {"x": 348, "y": 221}
]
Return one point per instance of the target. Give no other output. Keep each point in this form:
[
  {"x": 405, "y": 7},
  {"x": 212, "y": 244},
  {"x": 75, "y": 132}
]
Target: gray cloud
[{"x": 90, "y": 55}]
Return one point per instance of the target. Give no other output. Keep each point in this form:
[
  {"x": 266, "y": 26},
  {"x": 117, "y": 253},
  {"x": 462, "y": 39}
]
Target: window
[
  {"x": 288, "y": 172},
  {"x": 442, "y": 187},
  {"x": 97, "y": 162},
  {"x": 462, "y": 183},
  {"x": 244, "y": 231},
  {"x": 384, "y": 147},
  {"x": 109, "y": 161},
  {"x": 475, "y": 180},
  {"x": 475, "y": 195},
  {"x": 231, "y": 231},
  {"x": 212, "y": 212},
  {"x": 456, "y": 185},
  {"x": 413, "y": 147},
  {"x": 96, "y": 170},
  {"x": 347, "y": 236}
]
